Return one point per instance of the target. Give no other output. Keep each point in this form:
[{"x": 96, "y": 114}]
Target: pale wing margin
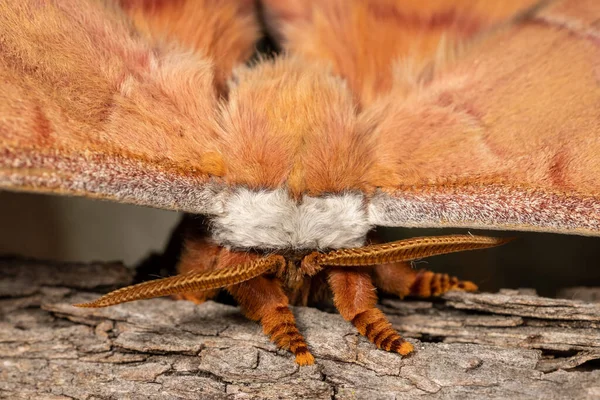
[
  {"x": 508, "y": 138},
  {"x": 88, "y": 107}
]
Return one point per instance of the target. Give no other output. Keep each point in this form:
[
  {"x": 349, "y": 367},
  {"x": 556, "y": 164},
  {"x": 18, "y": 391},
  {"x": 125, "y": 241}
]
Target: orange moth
[{"x": 442, "y": 113}]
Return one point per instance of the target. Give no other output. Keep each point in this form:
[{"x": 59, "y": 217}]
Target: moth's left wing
[
  {"x": 507, "y": 138},
  {"x": 377, "y": 44},
  {"x": 90, "y": 106}
]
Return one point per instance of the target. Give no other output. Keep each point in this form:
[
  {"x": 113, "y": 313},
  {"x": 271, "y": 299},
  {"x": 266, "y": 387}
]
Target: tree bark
[{"x": 513, "y": 344}]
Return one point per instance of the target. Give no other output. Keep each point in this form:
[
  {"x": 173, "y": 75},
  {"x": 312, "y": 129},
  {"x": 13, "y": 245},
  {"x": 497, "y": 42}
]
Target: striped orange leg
[
  {"x": 262, "y": 299},
  {"x": 402, "y": 280},
  {"x": 355, "y": 298}
]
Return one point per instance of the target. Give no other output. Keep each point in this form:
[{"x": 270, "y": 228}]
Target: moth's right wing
[
  {"x": 89, "y": 106},
  {"x": 223, "y": 31}
]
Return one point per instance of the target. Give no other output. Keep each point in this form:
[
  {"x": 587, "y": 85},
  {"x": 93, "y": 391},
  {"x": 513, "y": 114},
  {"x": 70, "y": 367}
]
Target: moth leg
[
  {"x": 402, "y": 280},
  {"x": 262, "y": 299},
  {"x": 199, "y": 255},
  {"x": 355, "y": 298}
]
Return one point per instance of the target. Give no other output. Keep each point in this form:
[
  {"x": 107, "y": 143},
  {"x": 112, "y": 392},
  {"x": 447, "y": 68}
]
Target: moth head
[{"x": 276, "y": 264}]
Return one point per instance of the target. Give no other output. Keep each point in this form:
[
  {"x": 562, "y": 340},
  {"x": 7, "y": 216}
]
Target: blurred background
[{"x": 77, "y": 229}]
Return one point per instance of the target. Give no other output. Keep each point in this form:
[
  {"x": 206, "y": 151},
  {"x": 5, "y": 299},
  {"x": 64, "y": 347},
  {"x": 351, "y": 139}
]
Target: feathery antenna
[
  {"x": 192, "y": 282},
  {"x": 406, "y": 250}
]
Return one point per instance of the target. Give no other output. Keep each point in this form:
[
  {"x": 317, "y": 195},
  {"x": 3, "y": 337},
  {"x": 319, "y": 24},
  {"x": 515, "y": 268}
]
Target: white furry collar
[{"x": 273, "y": 220}]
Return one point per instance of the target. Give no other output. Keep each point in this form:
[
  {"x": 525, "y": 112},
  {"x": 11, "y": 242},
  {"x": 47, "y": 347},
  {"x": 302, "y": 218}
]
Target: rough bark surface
[{"x": 513, "y": 344}]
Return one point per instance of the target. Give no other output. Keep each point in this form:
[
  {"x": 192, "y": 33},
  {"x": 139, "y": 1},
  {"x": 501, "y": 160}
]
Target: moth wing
[
  {"x": 223, "y": 31},
  {"x": 91, "y": 107},
  {"x": 371, "y": 42},
  {"x": 506, "y": 138}
]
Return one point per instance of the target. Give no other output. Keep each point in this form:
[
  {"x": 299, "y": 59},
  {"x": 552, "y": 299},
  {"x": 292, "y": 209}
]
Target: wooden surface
[{"x": 511, "y": 345}]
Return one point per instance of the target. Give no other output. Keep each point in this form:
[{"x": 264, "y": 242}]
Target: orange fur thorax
[{"x": 290, "y": 123}]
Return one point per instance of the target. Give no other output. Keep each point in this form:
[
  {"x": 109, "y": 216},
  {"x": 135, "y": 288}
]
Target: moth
[{"x": 400, "y": 113}]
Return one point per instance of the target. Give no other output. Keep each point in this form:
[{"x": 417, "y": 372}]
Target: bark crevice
[{"x": 511, "y": 344}]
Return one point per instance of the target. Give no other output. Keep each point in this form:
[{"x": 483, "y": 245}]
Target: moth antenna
[
  {"x": 406, "y": 250},
  {"x": 191, "y": 282}
]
